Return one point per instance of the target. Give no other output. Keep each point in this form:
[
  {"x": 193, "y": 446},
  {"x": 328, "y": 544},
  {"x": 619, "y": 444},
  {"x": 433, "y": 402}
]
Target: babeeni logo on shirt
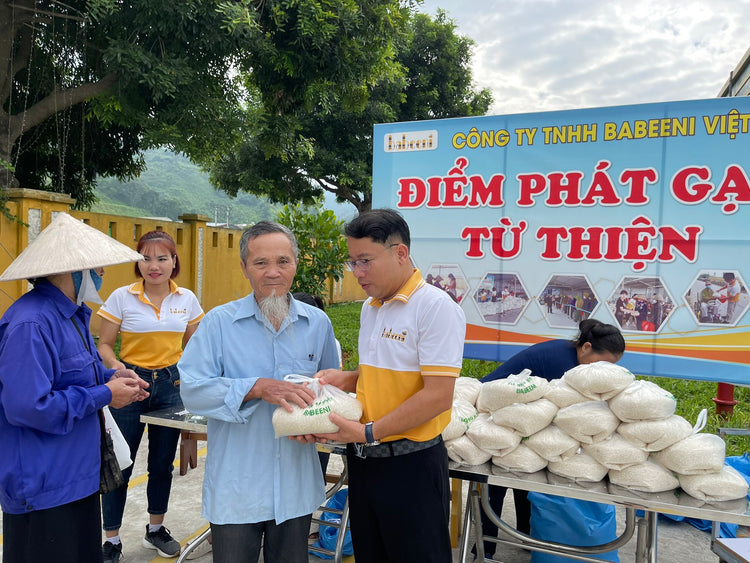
[
  {"x": 390, "y": 335},
  {"x": 174, "y": 311}
]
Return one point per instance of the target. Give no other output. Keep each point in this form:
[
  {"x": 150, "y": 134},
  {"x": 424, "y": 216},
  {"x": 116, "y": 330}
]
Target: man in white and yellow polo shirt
[{"x": 410, "y": 352}]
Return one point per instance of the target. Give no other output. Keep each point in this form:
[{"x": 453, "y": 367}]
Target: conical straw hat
[{"x": 67, "y": 245}]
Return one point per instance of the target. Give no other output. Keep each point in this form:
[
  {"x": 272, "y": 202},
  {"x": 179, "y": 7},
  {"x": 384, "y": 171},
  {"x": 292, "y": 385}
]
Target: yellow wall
[{"x": 209, "y": 256}]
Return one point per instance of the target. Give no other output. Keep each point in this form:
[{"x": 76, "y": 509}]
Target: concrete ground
[{"x": 677, "y": 542}]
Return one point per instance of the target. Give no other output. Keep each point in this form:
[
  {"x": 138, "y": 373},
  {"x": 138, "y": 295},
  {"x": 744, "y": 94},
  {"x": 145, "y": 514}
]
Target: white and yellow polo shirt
[
  {"x": 418, "y": 332},
  {"x": 151, "y": 338}
]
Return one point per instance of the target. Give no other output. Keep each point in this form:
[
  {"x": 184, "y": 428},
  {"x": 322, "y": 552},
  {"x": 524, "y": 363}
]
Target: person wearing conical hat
[{"x": 52, "y": 386}]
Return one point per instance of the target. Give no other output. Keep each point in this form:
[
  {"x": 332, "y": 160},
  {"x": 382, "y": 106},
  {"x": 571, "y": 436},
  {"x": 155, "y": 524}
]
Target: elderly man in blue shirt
[{"x": 258, "y": 490}]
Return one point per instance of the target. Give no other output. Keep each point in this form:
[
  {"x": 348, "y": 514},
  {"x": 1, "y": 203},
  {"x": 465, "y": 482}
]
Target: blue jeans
[{"x": 162, "y": 444}]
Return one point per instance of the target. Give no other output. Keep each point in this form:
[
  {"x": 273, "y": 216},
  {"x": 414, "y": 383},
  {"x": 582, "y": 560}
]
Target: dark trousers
[
  {"x": 241, "y": 543},
  {"x": 497, "y": 498},
  {"x": 70, "y": 533},
  {"x": 400, "y": 507},
  {"x": 162, "y": 444}
]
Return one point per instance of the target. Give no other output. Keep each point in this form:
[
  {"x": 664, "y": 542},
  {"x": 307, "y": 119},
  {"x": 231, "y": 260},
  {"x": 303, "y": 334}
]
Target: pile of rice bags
[{"x": 595, "y": 422}]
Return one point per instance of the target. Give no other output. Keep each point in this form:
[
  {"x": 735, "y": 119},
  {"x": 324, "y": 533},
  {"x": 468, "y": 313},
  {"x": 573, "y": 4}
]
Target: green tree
[
  {"x": 322, "y": 248},
  {"x": 332, "y": 150},
  {"x": 171, "y": 74}
]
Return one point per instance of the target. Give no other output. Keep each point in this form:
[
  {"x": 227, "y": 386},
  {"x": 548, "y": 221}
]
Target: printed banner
[{"x": 635, "y": 215}]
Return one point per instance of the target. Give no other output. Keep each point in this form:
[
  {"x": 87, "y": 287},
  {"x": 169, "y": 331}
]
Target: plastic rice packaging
[
  {"x": 643, "y": 400},
  {"x": 526, "y": 418},
  {"x": 655, "y": 435},
  {"x": 313, "y": 419},
  {"x": 727, "y": 484},
  {"x": 647, "y": 477},
  {"x": 465, "y": 452},
  {"x": 587, "y": 422},
  {"x": 553, "y": 444},
  {"x": 522, "y": 459},
  {"x": 580, "y": 467},
  {"x": 562, "y": 394},
  {"x": 467, "y": 389},
  {"x": 598, "y": 381},
  {"x": 615, "y": 452},
  {"x": 517, "y": 388},
  {"x": 462, "y": 415},
  {"x": 492, "y": 438},
  {"x": 696, "y": 454}
]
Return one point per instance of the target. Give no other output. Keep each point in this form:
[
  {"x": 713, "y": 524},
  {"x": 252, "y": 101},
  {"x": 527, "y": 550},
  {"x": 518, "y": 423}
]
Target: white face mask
[{"x": 88, "y": 291}]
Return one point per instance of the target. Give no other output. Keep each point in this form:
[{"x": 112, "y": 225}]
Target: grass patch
[{"x": 692, "y": 396}]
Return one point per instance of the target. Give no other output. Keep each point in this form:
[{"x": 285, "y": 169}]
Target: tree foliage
[
  {"x": 86, "y": 85},
  {"x": 332, "y": 150},
  {"x": 322, "y": 248}
]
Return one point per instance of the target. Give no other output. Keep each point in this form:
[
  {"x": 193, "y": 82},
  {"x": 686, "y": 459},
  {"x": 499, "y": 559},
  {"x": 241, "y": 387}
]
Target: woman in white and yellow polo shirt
[{"x": 155, "y": 318}]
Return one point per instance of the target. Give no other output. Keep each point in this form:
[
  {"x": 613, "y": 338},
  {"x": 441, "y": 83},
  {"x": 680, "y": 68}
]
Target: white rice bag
[
  {"x": 467, "y": 389},
  {"x": 615, "y": 452},
  {"x": 526, "y": 418},
  {"x": 655, "y": 435},
  {"x": 587, "y": 422},
  {"x": 594, "y": 486},
  {"x": 521, "y": 459},
  {"x": 517, "y": 388},
  {"x": 552, "y": 444},
  {"x": 562, "y": 394},
  {"x": 465, "y": 452},
  {"x": 727, "y": 484},
  {"x": 598, "y": 381},
  {"x": 462, "y": 415},
  {"x": 491, "y": 437},
  {"x": 696, "y": 454},
  {"x": 648, "y": 477},
  {"x": 313, "y": 419},
  {"x": 643, "y": 400},
  {"x": 580, "y": 467}
]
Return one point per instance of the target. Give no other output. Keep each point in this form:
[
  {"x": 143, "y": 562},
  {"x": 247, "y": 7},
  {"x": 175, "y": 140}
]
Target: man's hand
[
  {"x": 350, "y": 431},
  {"x": 125, "y": 391},
  {"x": 344, "y": 380},
  {"x": 282, "y": 393},
  {"x": 130, "y": 374}
]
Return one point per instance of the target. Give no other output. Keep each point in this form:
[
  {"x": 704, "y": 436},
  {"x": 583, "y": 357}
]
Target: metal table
[
  {"x": 196, "y": 424},
  {"x": 652, "y": 504}
]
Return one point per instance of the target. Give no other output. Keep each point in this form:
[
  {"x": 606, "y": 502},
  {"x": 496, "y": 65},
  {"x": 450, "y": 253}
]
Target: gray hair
[{"x": 265, "y": 228}]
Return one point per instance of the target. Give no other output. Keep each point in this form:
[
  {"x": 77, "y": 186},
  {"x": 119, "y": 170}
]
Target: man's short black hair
[{"x": 381, "y": 225}]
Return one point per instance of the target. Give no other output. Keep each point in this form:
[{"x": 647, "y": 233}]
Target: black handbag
[{"x": 110, "y": 474}]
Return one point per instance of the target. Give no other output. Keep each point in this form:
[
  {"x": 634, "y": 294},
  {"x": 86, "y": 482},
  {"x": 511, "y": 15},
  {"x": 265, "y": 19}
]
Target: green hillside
[{"x": 171, "y": 186}]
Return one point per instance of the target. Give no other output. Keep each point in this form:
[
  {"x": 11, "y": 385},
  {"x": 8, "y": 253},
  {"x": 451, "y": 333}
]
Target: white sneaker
[{"x": 202, "y": 549}]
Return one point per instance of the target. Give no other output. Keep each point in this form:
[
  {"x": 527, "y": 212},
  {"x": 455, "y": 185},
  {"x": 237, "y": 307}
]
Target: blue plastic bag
[
  {"x": 328, "y": 535},
  {"x": 573, "y": 522}
]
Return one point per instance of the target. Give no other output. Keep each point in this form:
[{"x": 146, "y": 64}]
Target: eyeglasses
[{"x": 364, "y": 263}]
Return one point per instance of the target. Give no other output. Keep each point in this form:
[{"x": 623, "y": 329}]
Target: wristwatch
[{"x": 369, "y": 438}]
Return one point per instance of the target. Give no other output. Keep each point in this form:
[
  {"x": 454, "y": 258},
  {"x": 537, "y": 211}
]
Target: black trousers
[
  {"x": 71, "y": 533},
  {"x": 281, "y": 543},
  {"x": 497, "y": 498},
  {"x": 400, "y": 507}
]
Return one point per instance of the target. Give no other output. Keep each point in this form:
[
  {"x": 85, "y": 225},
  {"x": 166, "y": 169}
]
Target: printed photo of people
[
  {"x": 501, "y": 298},
  {"x": 567, "y": 300},
  {"x": 641, "y": 304},
  {"x": 449, "y": 278},
  {"x": 717, "y": 297}
]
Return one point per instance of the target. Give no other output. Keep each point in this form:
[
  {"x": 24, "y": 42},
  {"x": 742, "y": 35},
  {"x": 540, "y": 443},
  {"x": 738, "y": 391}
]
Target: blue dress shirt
[{"x": 251, "y": 476}]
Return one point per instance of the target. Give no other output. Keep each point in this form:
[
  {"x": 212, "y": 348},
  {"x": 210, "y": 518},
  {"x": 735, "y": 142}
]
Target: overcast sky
[{"x": 542, "y": 55}]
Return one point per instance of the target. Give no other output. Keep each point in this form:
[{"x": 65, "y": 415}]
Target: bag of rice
[
  {"x": 598, "y": 381},
  {"x": 552, "y": 444},
  {"x": 463, "y": 451},
  {"x": 594, "y": 486},
  {"x": 615, "y": 452},
  {"x": 587, "y": 422},
  {"x": 580, "y": 468},
  {"x": 521, "y": 459},
  {"x": 643, "y": 400},
  {"x": 517, "y": 388},
  {"x": 727, "y": 484},
  {"x": 648, "y": 477},
  {"x": 467, "y": 389},
  {"x": 696, "y": 454},
  {"x": 462, "y": 415},
  {"x": 562, "y": 394},
  {"x": 492, "y": 438},
  {"x": 526, "y": 418},
  {"x": 655, "y": 435},
  {"x": 313, "y": 419}
]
